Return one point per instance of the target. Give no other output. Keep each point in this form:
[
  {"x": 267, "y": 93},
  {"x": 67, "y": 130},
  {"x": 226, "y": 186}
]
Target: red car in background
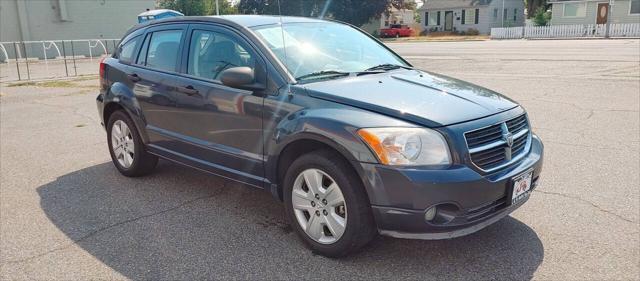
[{"x": 396, "y": 30}]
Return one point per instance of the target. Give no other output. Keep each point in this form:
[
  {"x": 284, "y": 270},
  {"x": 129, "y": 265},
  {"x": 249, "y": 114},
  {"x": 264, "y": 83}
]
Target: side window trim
[{"x": 144, "y": 49}]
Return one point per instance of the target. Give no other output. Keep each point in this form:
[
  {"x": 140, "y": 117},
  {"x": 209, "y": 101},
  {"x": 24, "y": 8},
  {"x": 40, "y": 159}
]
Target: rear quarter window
[{"x": 126, "y": 50}]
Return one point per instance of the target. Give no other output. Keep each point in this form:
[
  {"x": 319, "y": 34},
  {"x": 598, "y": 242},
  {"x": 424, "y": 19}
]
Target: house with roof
[
  {"x": 466, "y": 15},
  {"x": 567, "y": 12},
  {"x": 392, "y": 17}
]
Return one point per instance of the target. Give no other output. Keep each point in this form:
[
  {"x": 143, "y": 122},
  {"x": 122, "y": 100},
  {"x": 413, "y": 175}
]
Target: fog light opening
[{"x": 430, "y": 214}]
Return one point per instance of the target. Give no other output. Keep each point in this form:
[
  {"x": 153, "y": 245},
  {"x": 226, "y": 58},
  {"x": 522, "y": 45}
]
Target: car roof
[
  {"x": 257, "y": 20},
  {"x": 246, "y": 21}
]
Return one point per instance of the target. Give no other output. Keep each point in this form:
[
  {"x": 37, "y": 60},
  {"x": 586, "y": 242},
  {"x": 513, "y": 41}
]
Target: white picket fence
[
  {"x": 567, "y": 31},
  {"x": 507, "y": 33},
  {"x": 625, "y": 30}
]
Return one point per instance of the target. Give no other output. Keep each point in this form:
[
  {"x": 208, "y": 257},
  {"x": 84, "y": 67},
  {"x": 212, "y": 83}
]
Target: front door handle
[
  {"x": 189, "y": 90},
  {"x": 134, "y": 77}
]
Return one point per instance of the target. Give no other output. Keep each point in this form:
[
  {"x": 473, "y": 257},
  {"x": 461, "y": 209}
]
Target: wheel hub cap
[{"x": 319, "y": 206}]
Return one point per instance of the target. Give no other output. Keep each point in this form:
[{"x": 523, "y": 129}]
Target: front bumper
[
  {"x": 467, "y": 200},
  {"x": 470, "y": 228}
]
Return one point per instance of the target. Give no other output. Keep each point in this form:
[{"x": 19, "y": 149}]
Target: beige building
[
  {"x": 465, "y": 15},
  {"x": 34, "y": 20},
  {"x": 594, "y": 11}
]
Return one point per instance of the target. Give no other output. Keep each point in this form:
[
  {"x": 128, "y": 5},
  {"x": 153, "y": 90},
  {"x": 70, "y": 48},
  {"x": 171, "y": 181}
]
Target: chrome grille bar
[{"x": 501, "y": 144}]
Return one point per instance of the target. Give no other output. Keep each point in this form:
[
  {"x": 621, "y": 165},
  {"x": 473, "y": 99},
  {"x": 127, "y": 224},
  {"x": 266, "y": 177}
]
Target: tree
[
  {"x": 403, "y": 4},
  {"x": 534, "y": 5},
  {"x": 187, "y": 7},
  {"x": 226, "y": 8},
  {"x": 356, "y": 12},
  {"x": 270, "y": 7},
  {"x": 416, "y": 17},
  {"x": 541, "y": 17},
  {"x": 198, "y": 7}
]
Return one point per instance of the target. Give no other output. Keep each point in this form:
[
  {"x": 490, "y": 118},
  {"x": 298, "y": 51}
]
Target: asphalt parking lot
[{"x": 66, "y": 213}]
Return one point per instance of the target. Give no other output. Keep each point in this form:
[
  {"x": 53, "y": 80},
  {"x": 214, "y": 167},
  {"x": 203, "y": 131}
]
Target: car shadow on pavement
[{"x": 179, "y": 223}]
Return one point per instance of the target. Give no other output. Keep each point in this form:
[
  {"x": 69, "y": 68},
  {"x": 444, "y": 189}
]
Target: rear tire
[
  {"x": 126, "y": 147},
  {"x": 356, "y": 216}
]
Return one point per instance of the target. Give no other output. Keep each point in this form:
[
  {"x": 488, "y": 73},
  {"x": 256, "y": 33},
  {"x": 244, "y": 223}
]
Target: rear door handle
[
  {"x": 134, "y": 77},
  {"x": 189, "y": 90}
]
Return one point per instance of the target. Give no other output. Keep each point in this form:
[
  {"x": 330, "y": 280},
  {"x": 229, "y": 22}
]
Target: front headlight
[{"x": 407, "y": 146}]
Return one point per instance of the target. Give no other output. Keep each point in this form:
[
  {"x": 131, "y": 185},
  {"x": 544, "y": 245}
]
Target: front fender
[
  {"x": 322, "y": 125},
  {"x": 334, "y": 125}
]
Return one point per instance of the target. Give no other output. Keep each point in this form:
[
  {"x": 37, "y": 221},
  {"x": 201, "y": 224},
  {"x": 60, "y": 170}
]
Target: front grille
[
  {"x": 498, "y": 145},
  {"x": 517, "y": 124}
]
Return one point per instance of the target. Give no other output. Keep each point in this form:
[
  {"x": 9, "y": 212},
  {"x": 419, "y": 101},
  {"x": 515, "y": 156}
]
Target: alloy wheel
[
  {"x": 122, "y": 143},
  {"x": 319, "y": 206}
]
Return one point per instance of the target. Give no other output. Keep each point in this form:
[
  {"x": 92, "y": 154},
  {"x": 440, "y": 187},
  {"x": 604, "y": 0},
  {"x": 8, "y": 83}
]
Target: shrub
[
  {"x": 541, "y": 17},
  {"x": 473, "y": 31}
]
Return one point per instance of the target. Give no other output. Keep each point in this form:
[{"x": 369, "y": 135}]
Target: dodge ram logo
[{"x": 508, "y": 138}]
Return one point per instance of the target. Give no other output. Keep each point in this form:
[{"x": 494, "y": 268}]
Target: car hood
[{"x": 426, "y": 98}]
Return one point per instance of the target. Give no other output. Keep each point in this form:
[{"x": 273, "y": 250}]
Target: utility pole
[
  {"x": 217, "y": 8},
  {"x": 502, "y": 13},
  {"x": 611, "y": 3}
]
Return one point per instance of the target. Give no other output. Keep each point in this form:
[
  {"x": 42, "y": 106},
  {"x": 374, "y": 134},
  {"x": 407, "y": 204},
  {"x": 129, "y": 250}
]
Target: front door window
[
  {"x": 210, "y": 53},
  {"x": 603, "y": 13}
]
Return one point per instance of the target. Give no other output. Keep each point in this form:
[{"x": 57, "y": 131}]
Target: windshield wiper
[
  {"x": 386, "y": 66},
  {"x": 323, "y": 73},
  {"x": 334, "y": 73}
]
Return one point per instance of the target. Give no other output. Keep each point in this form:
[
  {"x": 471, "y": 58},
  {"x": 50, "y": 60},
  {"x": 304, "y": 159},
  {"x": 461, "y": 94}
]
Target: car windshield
[{"x": 324, "y": 48}]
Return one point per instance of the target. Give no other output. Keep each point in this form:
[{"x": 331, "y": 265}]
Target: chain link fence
[{"x": 34, "y": 60}]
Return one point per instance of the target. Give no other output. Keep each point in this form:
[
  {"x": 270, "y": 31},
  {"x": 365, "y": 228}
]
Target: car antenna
[
  {"x": 324, "y": 9},
  {"x": 284, "y": 44}
]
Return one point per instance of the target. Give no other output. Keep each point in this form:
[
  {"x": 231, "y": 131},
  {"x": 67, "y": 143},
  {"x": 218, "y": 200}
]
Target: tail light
[{"x": 103, "y": 72}]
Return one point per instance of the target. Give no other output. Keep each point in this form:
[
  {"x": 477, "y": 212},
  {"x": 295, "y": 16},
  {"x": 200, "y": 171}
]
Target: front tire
[
  {"x": 327, "y": 205},
  {"x": 126, "y": 147}
]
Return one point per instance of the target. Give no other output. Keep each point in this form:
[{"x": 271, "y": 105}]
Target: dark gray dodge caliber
[{"x": 353, "y": 139}]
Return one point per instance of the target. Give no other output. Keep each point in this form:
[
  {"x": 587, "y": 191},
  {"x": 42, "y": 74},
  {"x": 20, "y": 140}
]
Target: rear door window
[{"x": 162, "y": 52}]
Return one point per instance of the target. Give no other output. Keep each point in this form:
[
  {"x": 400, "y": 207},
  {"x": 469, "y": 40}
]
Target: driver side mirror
[{"x": 241, "y": 77}]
